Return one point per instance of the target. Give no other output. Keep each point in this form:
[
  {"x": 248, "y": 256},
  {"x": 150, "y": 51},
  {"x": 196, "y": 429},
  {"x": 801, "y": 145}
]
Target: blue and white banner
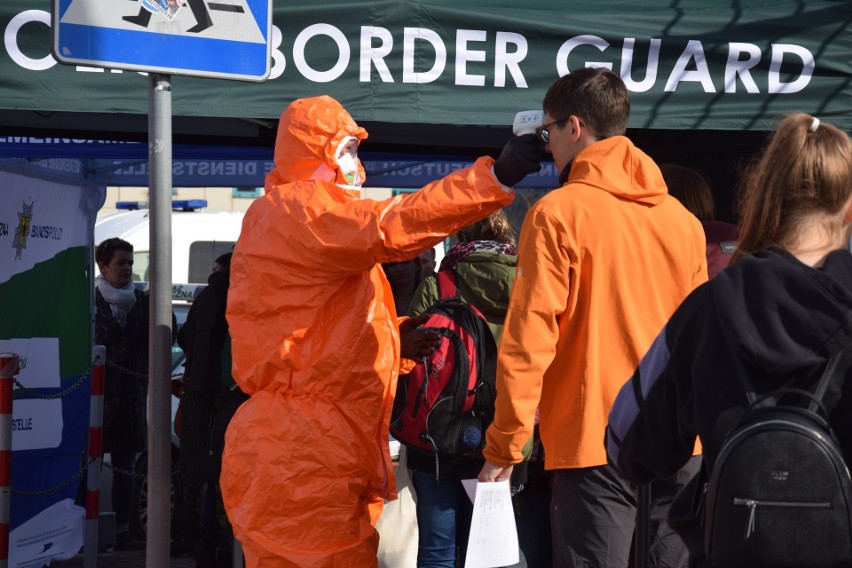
[{"x": 47, "y": 216}]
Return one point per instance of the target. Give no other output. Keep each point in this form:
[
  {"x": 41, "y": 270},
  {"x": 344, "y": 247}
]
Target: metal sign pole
[{"x": 160, "y": 330}]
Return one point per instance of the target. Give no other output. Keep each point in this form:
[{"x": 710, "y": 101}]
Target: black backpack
[
  {"x": 780, "y": 493},
  {"x": 445, "y": 404}
]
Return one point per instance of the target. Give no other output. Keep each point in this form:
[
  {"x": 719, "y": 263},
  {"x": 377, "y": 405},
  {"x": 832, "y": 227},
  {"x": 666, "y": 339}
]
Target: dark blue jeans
[{"x": 444, "y": 512}]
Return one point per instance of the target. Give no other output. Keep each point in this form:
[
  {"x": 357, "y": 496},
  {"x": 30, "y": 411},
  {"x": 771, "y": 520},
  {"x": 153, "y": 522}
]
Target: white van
[{"x": 198, "y": 237}]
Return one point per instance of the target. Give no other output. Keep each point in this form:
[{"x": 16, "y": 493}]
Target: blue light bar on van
[
  {"x": 177, "y": 205},
  {"x": 131, "y": 205},
  {"x": 189, "y": 204}
]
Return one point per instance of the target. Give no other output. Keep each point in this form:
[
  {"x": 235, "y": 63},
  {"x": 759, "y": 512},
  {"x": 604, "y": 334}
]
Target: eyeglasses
[{"x": 543, "y": 131}]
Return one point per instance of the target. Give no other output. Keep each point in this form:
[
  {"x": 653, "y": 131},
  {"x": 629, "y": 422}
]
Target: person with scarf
[
  {"x": 121, "y": 325},
  {"x": 484, "y": 263}
]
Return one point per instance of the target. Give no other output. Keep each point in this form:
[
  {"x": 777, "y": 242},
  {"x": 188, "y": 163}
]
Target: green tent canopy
[{"x": 712, "y": 65}]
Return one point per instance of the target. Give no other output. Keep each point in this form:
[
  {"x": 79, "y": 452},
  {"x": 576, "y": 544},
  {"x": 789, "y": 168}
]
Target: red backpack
[{"x": 445, "y": 404}]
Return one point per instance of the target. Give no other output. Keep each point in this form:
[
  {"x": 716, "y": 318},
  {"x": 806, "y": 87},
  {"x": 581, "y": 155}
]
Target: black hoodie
[{"x": 781, "y": 318}]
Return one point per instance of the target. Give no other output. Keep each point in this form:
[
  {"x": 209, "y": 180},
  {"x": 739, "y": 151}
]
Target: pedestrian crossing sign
[{"x": 224, "y": 39}]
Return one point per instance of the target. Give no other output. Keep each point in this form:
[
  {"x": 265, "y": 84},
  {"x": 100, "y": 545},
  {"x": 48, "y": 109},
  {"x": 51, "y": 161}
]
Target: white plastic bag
[{"x": 397, "y": 524}]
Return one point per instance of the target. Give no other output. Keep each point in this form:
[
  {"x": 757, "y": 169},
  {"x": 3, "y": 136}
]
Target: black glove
[
  {"x": 520, "y": 156},
  {"x": 417, "y": 342}
]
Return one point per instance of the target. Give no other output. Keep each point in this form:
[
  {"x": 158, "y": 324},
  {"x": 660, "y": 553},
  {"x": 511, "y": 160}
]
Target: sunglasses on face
[{"x": 543, "y": 131}]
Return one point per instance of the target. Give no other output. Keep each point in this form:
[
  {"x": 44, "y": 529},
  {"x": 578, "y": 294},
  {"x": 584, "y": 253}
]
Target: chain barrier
[
  {"x": 79, "y": 473},
  {"x": 64, "y": 393},
  {"x": 48, "y": 491},
  {"x": 112, "y": 365},
  {"x": 124, "y": 472},
  {"x": 76, "y": 384}
]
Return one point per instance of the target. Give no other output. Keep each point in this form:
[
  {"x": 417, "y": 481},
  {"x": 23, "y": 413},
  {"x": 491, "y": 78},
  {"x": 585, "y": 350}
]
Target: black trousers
[{"x": 593, "y": 517}]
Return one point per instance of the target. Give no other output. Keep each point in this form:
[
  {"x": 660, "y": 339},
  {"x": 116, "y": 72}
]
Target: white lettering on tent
[
  {"x": 808, "y": 64},
  {"x": 465, "y": 54},
  {"x": 511, "y": 61},
  {"x": 408, "y": 44},
  {"x": 299, "y": 53},
  {"x": 739, "y": 67},
  {"x": 10, "y": 39},
  {"x": 567, "y": 47},
  {"x": 650, "y": 70},
  {"x": 376, "y": 46},
  {"x": 375, "y": 55},
  {"x": 279, "y": 62},
  {"x": 701, "y": 74}
]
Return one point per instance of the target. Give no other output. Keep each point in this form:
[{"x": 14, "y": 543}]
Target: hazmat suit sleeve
[{"x": 353, "y": 235}]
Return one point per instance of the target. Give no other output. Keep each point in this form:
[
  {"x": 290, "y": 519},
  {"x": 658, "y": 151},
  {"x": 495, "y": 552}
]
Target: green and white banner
[
  {"x": 688, "y": 64},
  {"x": 46, "y": 227}
]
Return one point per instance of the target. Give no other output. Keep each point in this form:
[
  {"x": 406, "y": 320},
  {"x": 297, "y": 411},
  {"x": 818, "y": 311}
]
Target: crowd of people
[{"x": 620, "y": 311}]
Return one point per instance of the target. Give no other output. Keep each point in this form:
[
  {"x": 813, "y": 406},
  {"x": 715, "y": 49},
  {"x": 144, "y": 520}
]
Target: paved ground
[{"x": 123, "y": 559}]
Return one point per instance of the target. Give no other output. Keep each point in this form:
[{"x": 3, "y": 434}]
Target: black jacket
[
  {"x": 202, "y": 338},
  {"x": 781, "y": 318},
  {"x": 125, "y": 424}
]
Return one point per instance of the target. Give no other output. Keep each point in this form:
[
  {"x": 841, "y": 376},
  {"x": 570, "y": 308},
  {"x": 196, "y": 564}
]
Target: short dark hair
[
  {"x": 595, "y": 95},
  {"x": 224, "y": 260},
  {"x": 106, "y": 249}
]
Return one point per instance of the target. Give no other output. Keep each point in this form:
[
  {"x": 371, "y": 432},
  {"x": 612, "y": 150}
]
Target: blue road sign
[{"x": 224, "y": 39}]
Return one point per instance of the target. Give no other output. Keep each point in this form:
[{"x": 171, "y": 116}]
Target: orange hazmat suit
[{"x": 316, "y": 341}]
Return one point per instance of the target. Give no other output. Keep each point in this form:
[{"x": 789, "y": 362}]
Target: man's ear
[{"x": 575, "y": 125}]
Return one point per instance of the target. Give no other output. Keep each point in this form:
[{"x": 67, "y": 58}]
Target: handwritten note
[{"x": 493, "y": 535}]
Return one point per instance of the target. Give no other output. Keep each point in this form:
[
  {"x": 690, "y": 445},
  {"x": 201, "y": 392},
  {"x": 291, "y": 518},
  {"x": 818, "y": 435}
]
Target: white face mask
[{"x": 349, "y": 168}]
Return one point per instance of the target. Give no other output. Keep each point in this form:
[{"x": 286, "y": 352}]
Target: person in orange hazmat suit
[{"x": 316, "y": 340}]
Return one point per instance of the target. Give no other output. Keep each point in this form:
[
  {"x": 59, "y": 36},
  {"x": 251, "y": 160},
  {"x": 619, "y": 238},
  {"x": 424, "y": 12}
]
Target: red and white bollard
[
  {"x": 9, "y": 367},
  {"x": 96, "y": 454}
]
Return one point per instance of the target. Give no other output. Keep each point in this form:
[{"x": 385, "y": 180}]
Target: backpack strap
[
  {"x": 447, "y": 287},
  {"x": 825, "y": 379}
]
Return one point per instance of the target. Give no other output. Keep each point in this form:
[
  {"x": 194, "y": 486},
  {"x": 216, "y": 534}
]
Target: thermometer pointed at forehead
[{"x": 527, "y": 121}]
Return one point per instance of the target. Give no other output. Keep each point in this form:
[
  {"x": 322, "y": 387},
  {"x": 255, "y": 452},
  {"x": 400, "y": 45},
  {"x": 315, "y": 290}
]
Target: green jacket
[{"x": 485, "y": 282}]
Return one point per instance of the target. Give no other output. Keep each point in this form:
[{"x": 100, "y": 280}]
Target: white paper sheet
[{"x": 493, "y": 535}]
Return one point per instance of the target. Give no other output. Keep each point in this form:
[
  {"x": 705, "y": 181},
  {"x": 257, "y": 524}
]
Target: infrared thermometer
[{"x": 527, "y": 121}]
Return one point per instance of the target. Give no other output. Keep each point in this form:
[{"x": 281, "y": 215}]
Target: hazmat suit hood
[{"x": 311, "y": 132}]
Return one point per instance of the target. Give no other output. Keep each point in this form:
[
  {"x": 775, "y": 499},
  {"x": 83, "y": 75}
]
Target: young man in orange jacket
[{"x": 603, "y": 261}]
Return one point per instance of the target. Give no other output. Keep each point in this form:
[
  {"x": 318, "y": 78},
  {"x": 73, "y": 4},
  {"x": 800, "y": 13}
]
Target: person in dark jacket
[
  {"x": 484, "y": 263},
  {"x": 406, "y": 275},
  {"x": 201, "y": 338},
  {"x": 781, "y": 309},
  {"x": 121, "y": 325}
]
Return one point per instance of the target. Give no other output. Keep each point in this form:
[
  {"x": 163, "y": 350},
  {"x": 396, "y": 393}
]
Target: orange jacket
[
  {"x": 602, "y": 263},
  {"x": 316, "y": 342}
]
